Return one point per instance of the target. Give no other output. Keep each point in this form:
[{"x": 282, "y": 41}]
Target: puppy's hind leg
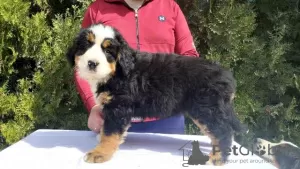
[
  {"x": 213, "y": 123},
  {"x": 220, "y": 141}
]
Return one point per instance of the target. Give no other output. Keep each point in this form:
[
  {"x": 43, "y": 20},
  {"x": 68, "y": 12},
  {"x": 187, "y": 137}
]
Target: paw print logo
[{"x": 261, "y": 150}]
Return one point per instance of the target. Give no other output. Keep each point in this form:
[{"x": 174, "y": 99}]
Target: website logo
[{"x": 192, "y": 155}]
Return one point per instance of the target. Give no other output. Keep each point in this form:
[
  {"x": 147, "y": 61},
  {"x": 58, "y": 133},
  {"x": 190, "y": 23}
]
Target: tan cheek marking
[{"x": 112, "y": 67}]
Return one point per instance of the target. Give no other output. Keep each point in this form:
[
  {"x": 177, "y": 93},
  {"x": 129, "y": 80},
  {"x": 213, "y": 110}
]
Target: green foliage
[
  {"x": 37, "y": 89},
  {"x": 258, "y": 40}
]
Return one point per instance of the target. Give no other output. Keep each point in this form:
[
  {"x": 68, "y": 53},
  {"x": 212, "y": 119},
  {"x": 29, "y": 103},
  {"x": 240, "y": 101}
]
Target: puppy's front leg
[{"x": 116, "y": 122}]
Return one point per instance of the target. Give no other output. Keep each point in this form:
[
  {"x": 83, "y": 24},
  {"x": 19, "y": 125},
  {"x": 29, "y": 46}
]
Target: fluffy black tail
[{"x": 236, "y": 124}]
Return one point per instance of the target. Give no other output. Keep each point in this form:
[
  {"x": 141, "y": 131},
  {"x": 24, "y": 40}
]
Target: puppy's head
[{"x": 97, "y": 52}]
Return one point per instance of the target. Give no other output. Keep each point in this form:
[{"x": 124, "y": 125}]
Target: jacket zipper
[
  {"x": 136, "y": 15},
  {"x": 137, "y": 28}
]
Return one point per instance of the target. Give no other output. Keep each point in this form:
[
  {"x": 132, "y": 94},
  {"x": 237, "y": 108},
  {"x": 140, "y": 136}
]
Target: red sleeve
[
  {"x": 183, "y": 37},
  {"x": 82, "y": 85},
  {"x": 85, "y": 92}
]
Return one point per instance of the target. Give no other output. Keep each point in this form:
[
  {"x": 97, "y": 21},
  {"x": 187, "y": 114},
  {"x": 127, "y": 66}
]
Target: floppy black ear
[
  {"x": 71, "y": 51},
  {"x": 78, "y": 46},
  {"x": 126, "y": 57},
  {"x": 71, "y": 54},
  {"x": 125, "y": 63},
  {"x": 120, "y": 38}
]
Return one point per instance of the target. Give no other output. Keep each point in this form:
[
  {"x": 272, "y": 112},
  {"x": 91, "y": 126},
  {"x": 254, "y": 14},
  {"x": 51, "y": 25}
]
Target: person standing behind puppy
[{"x": 149, "y": 26}]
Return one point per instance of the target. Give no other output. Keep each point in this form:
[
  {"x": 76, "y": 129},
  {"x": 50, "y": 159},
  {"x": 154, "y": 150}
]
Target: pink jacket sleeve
[
  {"x": 85, "y": 92},
  {"x": 183, "y": 37}
]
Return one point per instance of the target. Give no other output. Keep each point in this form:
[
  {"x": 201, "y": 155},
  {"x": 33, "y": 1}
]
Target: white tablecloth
[{"x": 64, "y": 149}]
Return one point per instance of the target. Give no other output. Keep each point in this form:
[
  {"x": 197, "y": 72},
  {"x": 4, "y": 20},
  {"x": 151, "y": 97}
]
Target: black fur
[
  {"x": 286, "y": 156},
  {"x": 161, "y": 85}
]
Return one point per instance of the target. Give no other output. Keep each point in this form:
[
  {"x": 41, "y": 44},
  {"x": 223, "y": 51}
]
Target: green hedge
[
  {"x": 258, "y": 40},
  {"x": 37, "y": 89}
]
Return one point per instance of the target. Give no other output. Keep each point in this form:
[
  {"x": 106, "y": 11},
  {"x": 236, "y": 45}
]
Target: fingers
[{"x": 95, "y": 121}]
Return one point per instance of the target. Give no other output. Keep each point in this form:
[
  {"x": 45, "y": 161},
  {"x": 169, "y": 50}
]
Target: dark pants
[{"x": 171, "y": 125}]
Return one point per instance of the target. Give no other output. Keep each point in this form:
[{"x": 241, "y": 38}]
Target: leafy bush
[
  {"x": 257, "y": 40},
  {"x": 37, "y": 89}
]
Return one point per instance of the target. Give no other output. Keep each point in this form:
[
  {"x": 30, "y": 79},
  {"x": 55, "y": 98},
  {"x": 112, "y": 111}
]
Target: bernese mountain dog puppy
[
  {"x": 284, "y": 155},
  {"x": 129, "y": 83}
]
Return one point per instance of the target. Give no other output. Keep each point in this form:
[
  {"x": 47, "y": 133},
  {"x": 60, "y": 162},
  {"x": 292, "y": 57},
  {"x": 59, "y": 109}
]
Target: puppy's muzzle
[{"x": 92, "y": 65}]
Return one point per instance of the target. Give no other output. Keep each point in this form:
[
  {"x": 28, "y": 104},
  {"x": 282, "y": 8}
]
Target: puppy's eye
[{"x": 106, "y": 51}]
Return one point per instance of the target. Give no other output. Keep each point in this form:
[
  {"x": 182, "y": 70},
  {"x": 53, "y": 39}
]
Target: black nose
[{"x": 92, "y": 65}]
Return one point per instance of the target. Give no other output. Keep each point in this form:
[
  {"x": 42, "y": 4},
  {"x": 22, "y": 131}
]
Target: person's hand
[{"x": 95, "y": 120}]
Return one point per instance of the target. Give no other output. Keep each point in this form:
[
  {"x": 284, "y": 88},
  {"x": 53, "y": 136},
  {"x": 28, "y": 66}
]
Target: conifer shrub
[
  {"x": 36, "y": 86},
  {"x": 258, "y": 40}
]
